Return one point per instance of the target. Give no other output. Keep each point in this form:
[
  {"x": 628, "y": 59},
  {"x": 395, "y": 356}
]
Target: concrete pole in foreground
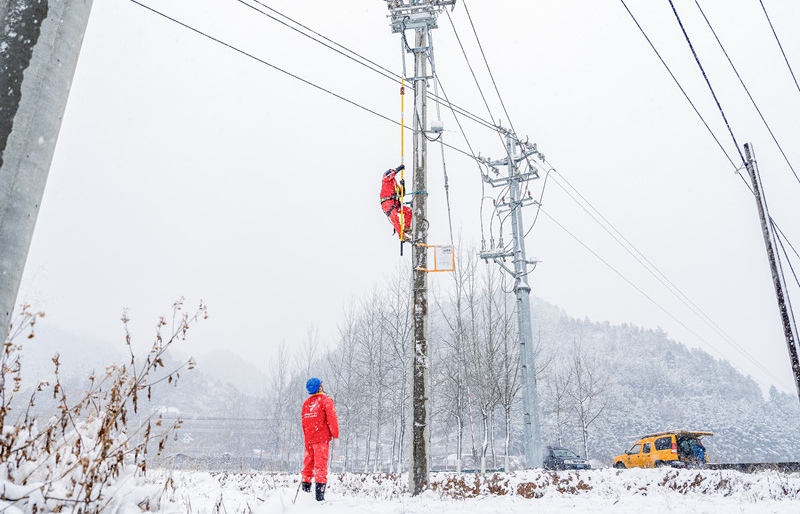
[{"x": 39, "y": 45}]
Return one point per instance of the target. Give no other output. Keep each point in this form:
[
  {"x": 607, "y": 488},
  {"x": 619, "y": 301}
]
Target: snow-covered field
[{"x": 628, "y": 491}]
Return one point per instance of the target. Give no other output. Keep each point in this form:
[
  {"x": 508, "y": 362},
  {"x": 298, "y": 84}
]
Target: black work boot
[
  {"x": 321, "y": 492},
  {"x": 306, "y": 486}
]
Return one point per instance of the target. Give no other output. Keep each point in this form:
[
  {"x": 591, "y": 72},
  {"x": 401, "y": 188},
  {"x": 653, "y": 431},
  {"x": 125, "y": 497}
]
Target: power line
[
  {"x": 475, "y": 78},
  {"x": 775, "y": 224},
  {"x": 785, "y": 254},
  {"x": 356, "y": 57},
  {"x": 652, "y": 300},
  {"x": 679, "y": 86},
  {"x": 491, "y": 75},
  {"x": 780, "y": 45},
  {"x": 297, "y": 77},
  {"x": 747, "y": 91},
  {"x": 651, "y": 268},
  {"x": 703, "y": 71}
]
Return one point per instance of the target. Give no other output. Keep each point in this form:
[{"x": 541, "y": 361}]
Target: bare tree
[
  {"x": 397, "y": 325},
  {"x": 484, "y": 350},
  {"x": 508, "y": 380},
  {"x": 309, "y": 352},
  {"x": 347, "y": 387},
  {"x": 281, "y": 402},
  {"x": 558, "y": 399},
  {"x": 587, "y": 391},
  {"x": 452, "y": 366}
]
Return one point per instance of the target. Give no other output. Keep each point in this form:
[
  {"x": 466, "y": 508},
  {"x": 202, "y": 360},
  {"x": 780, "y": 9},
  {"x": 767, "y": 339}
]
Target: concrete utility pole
[
  {"x": 39, "y": 47},
  {"x": 530, "y": 397},
  {"x": 421, "y": 17},
  {"x": 420, "y": 379},
  {"x": 784, "y": 306}
]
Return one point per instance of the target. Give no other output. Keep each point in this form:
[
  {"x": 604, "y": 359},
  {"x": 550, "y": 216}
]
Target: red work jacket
[
  {"x": 389, "y": 191},
  {"x": 319, "y": 419}
]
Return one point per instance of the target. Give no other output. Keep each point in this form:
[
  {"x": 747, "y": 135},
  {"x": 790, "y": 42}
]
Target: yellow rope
[{"x": 402, "y": 171}]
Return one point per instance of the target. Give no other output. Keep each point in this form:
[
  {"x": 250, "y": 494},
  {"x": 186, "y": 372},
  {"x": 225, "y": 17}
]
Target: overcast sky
[{"x": 184, "y": 168}]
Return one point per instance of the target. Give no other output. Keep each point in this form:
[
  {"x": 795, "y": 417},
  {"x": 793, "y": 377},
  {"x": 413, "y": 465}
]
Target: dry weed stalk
[{"x": 80, "y": 458}]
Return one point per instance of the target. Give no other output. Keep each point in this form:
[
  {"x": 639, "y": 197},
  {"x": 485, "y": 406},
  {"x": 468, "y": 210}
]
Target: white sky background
[{"x": 185, "y": 168}]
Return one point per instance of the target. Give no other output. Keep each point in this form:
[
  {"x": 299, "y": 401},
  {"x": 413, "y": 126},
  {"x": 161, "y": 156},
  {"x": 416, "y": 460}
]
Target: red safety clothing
[
  {"x": 315, "y": 463},
  {"x": 319, "y": 419},
  {"x": 390, "y": 202},
  {"x": 320, "y": 425}
]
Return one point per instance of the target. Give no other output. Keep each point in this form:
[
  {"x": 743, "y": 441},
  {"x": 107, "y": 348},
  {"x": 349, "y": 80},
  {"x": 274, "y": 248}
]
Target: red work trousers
[
  {"x": 394, "y": 217},
  {"x": 315, "y": 463}
]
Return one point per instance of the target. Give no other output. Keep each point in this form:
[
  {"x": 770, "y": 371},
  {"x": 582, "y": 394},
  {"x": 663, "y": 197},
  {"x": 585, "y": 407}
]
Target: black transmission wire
[
  {"x": 648, "y": 265},
  {"x": 469, "y": 65},
  {"x": 680, "y": 86},
  {"x": 747, "y": 91},
  {"x": 297, "y": 77},
  {"x": 775, "y": 224},
  {"x": 779, "y": 239},
  {"x": 491, "y": 75},
  {"x": 703, "y": 71},
  {"x": 661, "y": 307},
  {"x": 780, "y": 45},
  {"x": 364, "y": 61}
]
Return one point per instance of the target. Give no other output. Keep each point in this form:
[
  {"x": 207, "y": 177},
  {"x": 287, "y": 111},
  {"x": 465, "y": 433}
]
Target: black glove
[{"x": 400, "y": 168}]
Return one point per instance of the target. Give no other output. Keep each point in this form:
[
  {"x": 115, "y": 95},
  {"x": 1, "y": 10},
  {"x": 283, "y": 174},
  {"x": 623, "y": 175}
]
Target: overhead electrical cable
[
  {"x": 679, "y": 86},
  {"x": 708, "y": 82},
  {"x": 356, "y": 57},
  {"x": 491, "y": 75},
  {"x": 786, "y": 256},
  {"x": 466, "y": 139},
  {"x": 648, "y": 297},
  {"x": 748, "y": 92},
  {"x": 297, "y": 77},
  {"x": 539, "y": 203},
  {"x": 475, "y": 78},
  {"x": 788, "y": 306},
  {"x": 780, "y": 45},
  {"x": 778, "y": 228},
  {"x": 444, "y": 165},
  {"x": 648, "y": 265}
]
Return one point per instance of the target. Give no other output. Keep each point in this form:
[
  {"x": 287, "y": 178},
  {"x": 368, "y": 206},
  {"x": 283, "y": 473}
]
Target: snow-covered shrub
[{"x": 85, "y": 458}]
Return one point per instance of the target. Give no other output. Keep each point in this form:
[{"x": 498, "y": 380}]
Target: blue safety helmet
[{"x": 313, "y": 384}]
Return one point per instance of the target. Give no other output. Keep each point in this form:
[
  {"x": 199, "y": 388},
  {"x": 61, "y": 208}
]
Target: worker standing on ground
[
  {"x": 319, "y": 427},
  {"x": 391, "y": 193}
]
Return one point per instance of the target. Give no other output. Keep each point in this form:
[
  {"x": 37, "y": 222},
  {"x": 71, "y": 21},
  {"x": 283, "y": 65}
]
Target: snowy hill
[{"x": 655, "y": 384}]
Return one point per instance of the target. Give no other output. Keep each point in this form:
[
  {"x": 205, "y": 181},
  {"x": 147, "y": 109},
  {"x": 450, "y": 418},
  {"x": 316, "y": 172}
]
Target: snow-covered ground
[{"x": 637, "y": 491}]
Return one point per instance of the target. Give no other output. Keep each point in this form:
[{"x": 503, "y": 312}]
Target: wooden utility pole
[
  {"x": 39, "y": 45},
  {"x": 784, "y": 306}
]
